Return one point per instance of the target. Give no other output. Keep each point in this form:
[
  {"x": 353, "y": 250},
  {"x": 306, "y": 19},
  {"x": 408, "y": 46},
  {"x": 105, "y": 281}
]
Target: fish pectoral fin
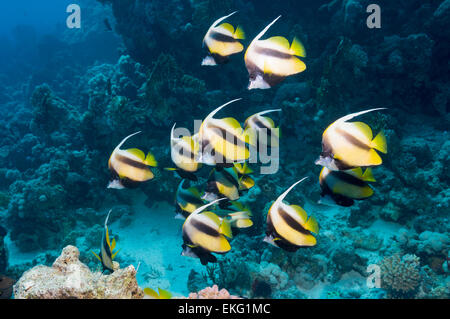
[
  {"x": 164, "y": 294},
  {"x": 150, "y": 292},
  {"x": 137, "y": 152},
  {"x": 379, "y": 142},
  {"x": 97, "y": 256},
  {"x": 150, "y": 160},
  {"x": 312, "y": 225},
  {"x": 297, "y": 48}
]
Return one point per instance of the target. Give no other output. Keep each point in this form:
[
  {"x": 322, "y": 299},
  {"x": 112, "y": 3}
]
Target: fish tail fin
[
  {"x": 379, "y": 142},
  {"x": 239, "y": 33},
  {"x": 225, "y": 228},
  {"x": 312, "y": 225},
  {"x": 164, "y": 294},
  {"x": 150, "y": 160},
  {"x": 368, "y": 176},
  {"x": 297, "y": 48},
  {"x": 150, "y": 292}
]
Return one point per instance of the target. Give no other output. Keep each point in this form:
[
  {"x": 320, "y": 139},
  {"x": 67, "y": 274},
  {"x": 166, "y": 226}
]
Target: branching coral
[{"x": 212, "y": 293}]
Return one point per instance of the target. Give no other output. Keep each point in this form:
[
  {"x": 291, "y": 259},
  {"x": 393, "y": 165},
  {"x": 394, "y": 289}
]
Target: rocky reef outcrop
[{"x": 69, "y": 278}]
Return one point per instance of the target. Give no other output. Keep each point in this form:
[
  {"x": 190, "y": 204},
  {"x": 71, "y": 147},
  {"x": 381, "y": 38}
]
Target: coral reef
[
  {"x": 212, "y": 293},
  {"x": 68, "y": 278},
  {"x": 400, "y": 274}
]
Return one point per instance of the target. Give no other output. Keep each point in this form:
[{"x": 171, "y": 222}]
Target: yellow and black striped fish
[
  {"x": 238, "y": 214},
  {"x": 222, "y": 141},
  {"x": 204, "y": 233},
  {"x": 288, "y": 226},
  {"x": 261, "y": 130},
  {"x": 188, "y": 199},
  {"x": 183, "y": 152},
  {"x": 347, "y": 145},
  {"x": 107, "y": 246},
  {"x": 343, "y": 187},
  {"x": 223, "y": 182},
  {"x": 270, "y": 61},
  {"x": 222, "y": 41},
  {"x": 130, "y": 167}
]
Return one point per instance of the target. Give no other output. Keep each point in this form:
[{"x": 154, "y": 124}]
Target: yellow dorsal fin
[
  {"x": 250, "y": 136},
  {"x": 113, "y": 244},
  {"x": 137, "y": 152},
  {"x": 364, "y": 129},
  {"x": 368, "y": 176},
  {"x": 357, "y": 172},
  {"x": 379, "y": 142},
  {"x": 280, "y": 41},
  {"x": 150, "y": 160},
  {"x": 231, "y": 121},
  {"x": 212, "y": 216},
  {"x": 297, "y": 48},
  {"x": 164, "y": 294},
  {"x": 271, "y": 123},
  {"x": 239, "y": 33},
  {"x": 97, "y": 256},
  {"x": 225, "y": 228},
  {"x": 227, "y": 26},
  {"x": 312, "y": 225},
  {"x": 150, "y": 292},
  {"x": 115, "y": 254},
  {"x": 301, "y": 212},
  {"x": 107, "y": 238}
]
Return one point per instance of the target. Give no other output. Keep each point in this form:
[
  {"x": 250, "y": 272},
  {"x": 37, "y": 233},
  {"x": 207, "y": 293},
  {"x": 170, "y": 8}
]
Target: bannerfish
[
  {"x": 347, "y": 145},
  {"x": 204, "y": 233},
  {"x": 343, "y": 187},
  {"x": 270, "y": 61},
  {"x": 261, "y": 130},
  {"x": 223, "y": 182},
  {"x": 130, "y": 167},
  {"x": 183, "y": 153},
  {"x": 222, "y": 141},
  {"x": 221, "y": 41},
  {"x": 288, "y": 226},
  {"x": 240, "y": 215},
  {"x": 188, "y": 199},
  {"x": 243, "y": 172},
  {"x": 107, "y": 254},
  {"x": 161, "y": 294}
]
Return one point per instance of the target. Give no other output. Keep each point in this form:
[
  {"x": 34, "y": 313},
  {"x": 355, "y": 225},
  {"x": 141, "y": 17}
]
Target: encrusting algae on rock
[{"x": 69, "y": 278}]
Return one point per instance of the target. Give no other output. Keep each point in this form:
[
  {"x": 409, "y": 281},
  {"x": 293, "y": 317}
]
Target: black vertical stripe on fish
[
  {"x": 348, "y": 178},
  {"x": 190, "y": 198},
  {"x": 224, "y": 134},
  {"x": 352, "y": 140},
  {"x": 291, "y": 222},
  {"x": 280, "y": 242},
  {"x": 273, "y": 53},
  {"x": 184, "y": 151},
  {"x": 339, "y": 199},
  {"x": 204, "y": 228},
  {"x": 222, "y": 37},
  {"x": 131, "y": 162}
]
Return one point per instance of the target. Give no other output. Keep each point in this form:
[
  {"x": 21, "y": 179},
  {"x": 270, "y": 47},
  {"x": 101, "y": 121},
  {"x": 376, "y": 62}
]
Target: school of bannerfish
[{"x": 210, "y": 213}]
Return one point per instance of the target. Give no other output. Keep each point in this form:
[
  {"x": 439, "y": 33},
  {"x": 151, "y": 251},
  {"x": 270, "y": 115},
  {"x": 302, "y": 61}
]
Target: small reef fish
[
  {"x": 240, "y": 215},
  {"x": 183, "y": 152},
  {"x": 258, "y": 124},
  {"x": 270, "y": 61},
  {"x": 130, "y": 167},
  {"x": 347, "y": 145},
  {"x": 243, "y": 172},
  {"x": 204, "y": 233},
  {"x": 223, "y": 182},
  {"x": 107, "y": 254},
  {"x": 188, "y": 199},
  {"x": 222, "y": 141},
  {"x": 288, "y": 226},
  {"x": 222, "y": 41},
  {"x": 343, "y": 187},
  {"x": 161, "y": 294}
]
